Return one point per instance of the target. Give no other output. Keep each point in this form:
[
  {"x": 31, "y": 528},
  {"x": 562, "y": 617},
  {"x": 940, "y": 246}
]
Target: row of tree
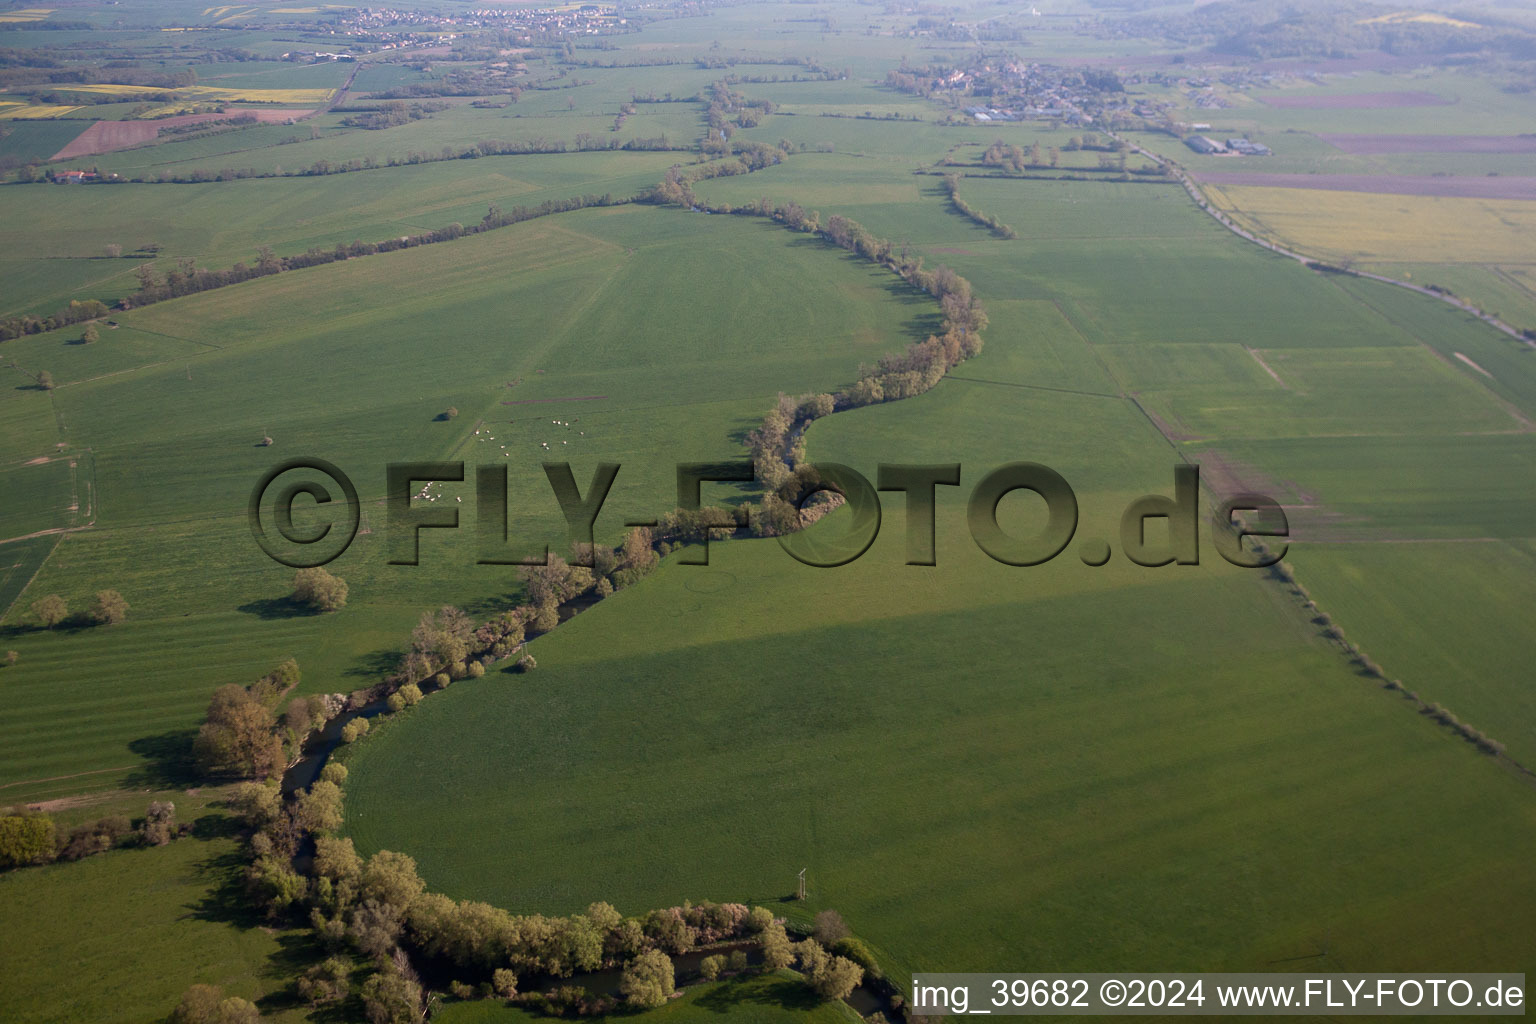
[
  {"x": 997, "y": 227},
  {"x": 78, "y": 311},
  {"x": 188, "y": 279},
  {"x": 106, "y": 609},
  {"x": 35, "y": 838}
]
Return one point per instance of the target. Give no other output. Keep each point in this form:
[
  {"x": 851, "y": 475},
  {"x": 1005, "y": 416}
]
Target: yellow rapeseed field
[
  {"x": 33, "y": 112},
  {"x": 1367, "y": 227}
]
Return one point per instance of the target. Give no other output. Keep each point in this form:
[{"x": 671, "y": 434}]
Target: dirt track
[{"x": 107, "y": 136}]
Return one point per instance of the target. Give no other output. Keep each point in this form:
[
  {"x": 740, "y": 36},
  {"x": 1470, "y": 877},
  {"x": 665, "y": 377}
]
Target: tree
[
  {"x": 354, "y": 730},
  {"x": 45, "y": 380},
  {"x": 777, "y": 950},
  {"x": 319, "y": 589},
  {"x": 159, "y": 823},
  {"x": 334, "y": 772},
  {"x": 25, "y": 839},
  {"x": 390, "y": 996},
  {"x": 637, "y": 552},
  {"x": 504, "y": 982},
  {"x": 109, "y": 608},
  {"x": 647, "y": 980},
  {"x": 711, "y": 966},
  {"x": 376, "y": 927},
  {"x": 50, "y": 610},
  {"x": 836, "y": 977},
  {"x": 319, "y": 808},
  {"x": 239, "y": 737},
  {"x": 91, "y": 335},
  {"x": 391, "y": 878},
  {"x": 548, "y": 617},
  {"x": 257, "y": 804}
]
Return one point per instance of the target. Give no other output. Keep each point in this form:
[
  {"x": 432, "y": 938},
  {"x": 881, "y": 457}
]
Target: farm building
[
  {"x": 1247, "y": 148},
  {"x": 1202, "y": 144}
]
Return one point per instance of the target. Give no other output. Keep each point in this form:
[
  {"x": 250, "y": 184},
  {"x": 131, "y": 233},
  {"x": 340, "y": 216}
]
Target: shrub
[
  {"x": 526, "y": 663},
  {"x": 855, "y": 950},
  {"x": 711, "y": 966},
  {"x": 737, "y": 960},
  {"x": 11, "y": 658},
  {"x": 25, "y": 839},
  {"x": 461, "y": 990},
  {"x": 395, "y": 703},
  {"x": 504, "y": 982},
  {"x": 325, "y": 983},
  {"x": 442, "y": 679},
  {"x": 547, "y": 618},
  {"x": 334, "y": 773},
  {"x": 830, "y": 928},
  {"x": 159, "y": 823},
  {"x": 96, "y": 837},
  {"x": 319, "y": 589},
  {"x": 410, "y": 693},
  {"x": 450, "y": 413},
  {"x": 354, "y": 730},
  {"x": 476, "y": 669}
]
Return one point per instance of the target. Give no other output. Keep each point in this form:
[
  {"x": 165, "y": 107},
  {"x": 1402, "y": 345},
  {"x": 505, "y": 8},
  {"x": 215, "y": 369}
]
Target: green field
[
  {"x": 757, "y": 1000},
  {"x": 159, "y": 921}
]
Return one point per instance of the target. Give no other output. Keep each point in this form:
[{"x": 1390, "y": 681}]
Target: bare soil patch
[{"x": 108, "y": 136}]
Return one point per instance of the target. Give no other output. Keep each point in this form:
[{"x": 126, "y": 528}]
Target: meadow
[
  {"x": 171, "y": 534},
  {"x": 157, "y": 917},
  {"x": 770, "y": 999}
]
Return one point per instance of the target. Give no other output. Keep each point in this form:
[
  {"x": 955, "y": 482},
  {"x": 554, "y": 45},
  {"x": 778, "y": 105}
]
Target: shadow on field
[
  {"x": 734, "y": 997},
  {"x": 226, "y": 900},
  {"x": 296, "y": 952},
  {"x": 276, "y": 608},
  {"x": 168, "y": 761},
  {"x": 376, "y": 664},
  {"x": 215, "y": 826}
]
